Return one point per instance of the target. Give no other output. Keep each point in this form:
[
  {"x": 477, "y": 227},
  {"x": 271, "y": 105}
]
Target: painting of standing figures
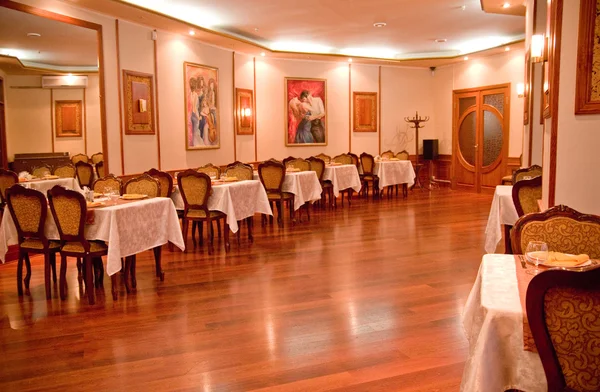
[
  {"x": 305, "y": 109},
  {"x": 201, "y": 86}
]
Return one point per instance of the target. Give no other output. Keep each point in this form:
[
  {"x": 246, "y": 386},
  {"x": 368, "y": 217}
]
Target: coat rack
[{"x": 416, "y": 121}]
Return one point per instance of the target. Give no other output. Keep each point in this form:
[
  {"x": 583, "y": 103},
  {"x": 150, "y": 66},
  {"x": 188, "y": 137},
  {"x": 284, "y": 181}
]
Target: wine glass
[{"x": 536, "y": 252}]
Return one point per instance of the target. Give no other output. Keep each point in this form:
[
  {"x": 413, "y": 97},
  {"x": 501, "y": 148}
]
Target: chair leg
[
  {"x": 210, "y": 237},
  {"x": 79, "y": 273},
  {"x": 47, "y": 275},
  {"x": 63, "y": 277},
  {"x": 20, "y": 275},
  {"x": 28, "y": 275},
  {"x": 98, "y": 271},
  {"x": 219, "y": 228},
  {"x": 239, "y": 233},
  {"x": 158, "y": 263},
  {"x": 350, "y": 197},
  {"x": 53, "y": 265},
  {"x": 184, "y": 229},
  {"x": 250, "y": 228},
  {"x": 127, "y": 272},
  {"x": 226, "y": 235},
  {"x": 291, "y": 204},
  {"x": 133, "y": 277},
  {"x": 194, "y": 225},
  {"x": 113, "y": 287},
  {"x": 89, "y": 284},
  {"x": 279, "y": 208}
]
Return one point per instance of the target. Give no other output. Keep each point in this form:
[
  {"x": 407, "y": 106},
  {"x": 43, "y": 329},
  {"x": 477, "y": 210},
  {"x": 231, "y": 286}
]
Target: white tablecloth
[
  {"x": 128, "y": 228},
  {"x": 342, "y": 177},
  {"x": 304, "y": 185},
  {"x": 45, "y": 185},
  {"x": 238, "y": 200},
  {"x": 493, "y": 323},
  {"x": 503, "y": 212},
  {"x": 394, "y": 172}
]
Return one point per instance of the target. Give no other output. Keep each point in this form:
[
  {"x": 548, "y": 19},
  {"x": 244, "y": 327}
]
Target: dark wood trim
[
  {"x": 255, "y": 112},
  {"x": 102, "y": 98},
  {"x": 585, "y": 54},
  {"x": 531, "y": 122},
  {"x": 483, "y": 88},
  {"x": 379, "y": 111},
  {"x": 350, "y": 107},
  {"x": 156, "y": 106},
  {"x": 233, "y": 105},
  {"x": 84, "y": 128},
  {"x": 49, "y": 15},
  {"x": 119, "y": 93},
  {"x": 556, "y": 26},
  {"x": 52, "y": 118},
  {"x": 3, "y": 152}
]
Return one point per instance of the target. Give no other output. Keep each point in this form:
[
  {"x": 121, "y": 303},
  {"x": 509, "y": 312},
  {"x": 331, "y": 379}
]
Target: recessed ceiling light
[
  {"x": 463, "y": 7},
  {"x": 506, "y": 5},
  {"x": 35, "y": 35},
  {"x": 263, "y": 54},
  {"x": 256, "y": 29},
  {"x": 192, "y": 32},
  {"x": 507, "y": 49},
  {"x": 441, "y": 40},
  {"x": 466, "y": 58},
  {"x": 349, "y": 60},
  {"x": 379, "y": 24}
]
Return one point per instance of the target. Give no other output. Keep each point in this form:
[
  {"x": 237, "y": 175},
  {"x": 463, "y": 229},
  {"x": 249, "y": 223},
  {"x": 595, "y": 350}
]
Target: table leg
[
  {"x": 507, "y": 245},
  {"x": 157, "y": 259}
]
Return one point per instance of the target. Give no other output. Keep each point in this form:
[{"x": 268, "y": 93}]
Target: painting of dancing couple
[
  {"x": 305, "y": 112},
  {"x": 201, "y": 84}
]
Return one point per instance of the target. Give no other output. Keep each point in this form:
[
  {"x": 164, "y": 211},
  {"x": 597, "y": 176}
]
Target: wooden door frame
[
  {"x": 455, "y": 117},
  {"x": 3, "y": 152}
]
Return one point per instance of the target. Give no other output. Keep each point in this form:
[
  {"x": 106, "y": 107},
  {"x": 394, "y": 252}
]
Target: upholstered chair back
[
  {"x": 7, "y": 179},
  {"x": 318, "y": 166},
  {"x": 271, "y": 175},
  {"x": 143, "y": 185},
  {"x": 100, "y": 170},
  {"x": 240, "y": 170},
  {"x": 211, "y": 170},
  {"x": 344, "y": 159},
  {"x": 165, "y": 180},
  {"x": 526, "y": 194},
  {"x": 387, "y": 154},
  {"x": 28, "y": 208},
  {"x": 79, "y": 158},
  {"x": 298, "y": 163},
  {"x": 326, "y": 158},
  {"x": 402, "y": 155},
  {"x": 97, "y": 157},
  {"x": 41, "y": 171},
  {"x": 195, "y": 190},
  {"x": 526, "y": 173},
  {"x": 69, "y": 209},
  {"x": 66, "y": 171},
  {"x": 85, "y": 174},
  {"x": 108, "y": 184},
  {"x": 368, "y": 163}
]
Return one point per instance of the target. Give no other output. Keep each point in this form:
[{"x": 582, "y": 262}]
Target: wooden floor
[{"x": 366, "y": 298}]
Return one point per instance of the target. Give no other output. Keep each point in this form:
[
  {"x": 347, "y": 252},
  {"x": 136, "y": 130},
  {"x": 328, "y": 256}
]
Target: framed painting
[
  {"x": 305, "y": 112},
  {"x": 67, "y": 119},
  {"x": 364, "y": 111},
  {"x": 201, "y": 89},
  {"x": 138, "y": 96},
  {"x": 244, "y": 111},
  {"x": 587, "y": 86}
]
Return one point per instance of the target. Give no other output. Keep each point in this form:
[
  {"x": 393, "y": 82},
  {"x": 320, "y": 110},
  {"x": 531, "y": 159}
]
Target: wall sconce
[
  {"x": 537, "y": 48},
  {"x": 246, "y": 112},
  {"x": 520, "y": 90}
]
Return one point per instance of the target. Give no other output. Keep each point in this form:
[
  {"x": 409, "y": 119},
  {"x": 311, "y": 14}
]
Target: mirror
[{"x": 52, "y": 84}]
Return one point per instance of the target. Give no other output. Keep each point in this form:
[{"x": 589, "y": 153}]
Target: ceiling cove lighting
[
  {"x": 507, "y": 49},
  {"x": 192, "y": 32},
  {"x": 506, "y": 5},
  {"x": 349, "y": 60},
  {"x": 466, "y": 58},
  {"x": 303, "y": 47},
  {"x": 382, "y": 53},
  {"x": 263, "y": 54}
]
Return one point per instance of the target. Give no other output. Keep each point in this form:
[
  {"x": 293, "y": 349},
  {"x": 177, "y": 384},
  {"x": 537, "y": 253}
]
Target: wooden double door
[{"x": 480, "y": 137}]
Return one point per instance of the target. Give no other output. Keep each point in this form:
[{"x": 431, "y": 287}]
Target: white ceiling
[
  {"x": 61, "y": 46},
  {"x": 346, "y": 26}
]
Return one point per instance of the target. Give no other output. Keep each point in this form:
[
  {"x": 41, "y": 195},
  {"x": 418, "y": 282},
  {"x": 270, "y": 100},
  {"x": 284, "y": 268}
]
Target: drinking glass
[{"x": 536, "y": 252}]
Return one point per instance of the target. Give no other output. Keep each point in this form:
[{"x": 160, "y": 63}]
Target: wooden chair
[
  {"x": 211, "y": 170},
  {"x": 344, "y": 159},
  {"x": 41, "y": 171},
  {"x": 526, "y": 173},
  {"x": 563, "y": 311},
  {"x": 368, "y": 165},
  {"x": 324, "y": 157},
  {"x": 318, "y": 166},
  {"x": 271, "y": 175},
  {"x": 97, "y": 157},
  {"x": 69, "y": 210},
  {"x": 297, "y": 163},
  {"x": 100, "y": 171},
  {"x": 387, "y": 154},
  {"x": 165, "y": 180},
  {"x": 85, "y": 174},
  {"x": 562, "y": 228},
  {"x": 240, "y": 170},
  {"x": 66, "y": 171},
  {"x": 29, "y": 209},
  {"x": 7, "y": 179},
  {"x": 288, "y": 159},
  {"x": 355, "y": 160},
  {"x": 403, "y": 155},
  {"x": 195, "y": 190},
  {"x": 143, "y": 185},
  {"x": 525, "y": 195},
  {"x": 79, "y": 158},
  {"x": 108, "y": 184}
]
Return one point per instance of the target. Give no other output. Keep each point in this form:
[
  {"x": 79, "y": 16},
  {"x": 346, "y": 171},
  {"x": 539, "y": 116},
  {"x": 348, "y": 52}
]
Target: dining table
[
  {"x": 237, "y": 199},
  {"x": 342, "y": 177},
  {"x": 394, "y": 172},
  {"x": 502, "y": 354},
  {"x": 129, "y": 227},
  {"x": 304, "y": 185},
  {"x": 502, "y": 213},
  {"x": 45, "y": 184}
]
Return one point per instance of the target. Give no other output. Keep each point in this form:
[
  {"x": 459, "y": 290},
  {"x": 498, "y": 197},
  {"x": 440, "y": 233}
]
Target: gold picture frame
[
  {"x": 305, "y": 108},
  {"x": 587, "y": 85},
  {"x": 201, "y": 107},
  {"x": 364, "y": 111},
  {"x": 138, "y": 93},
  {"x": 244, "y": 111},
  {"x": 68, "y": 118}
]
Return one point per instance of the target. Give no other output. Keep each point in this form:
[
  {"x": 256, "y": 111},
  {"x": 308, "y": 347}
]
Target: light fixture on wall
[
  {"x": 537, "y": 48},
  {"x": 246, "y": 112},
  {"x": 520, "y": 90}
]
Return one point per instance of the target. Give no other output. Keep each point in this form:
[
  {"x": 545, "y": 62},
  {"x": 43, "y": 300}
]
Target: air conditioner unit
[{"x": 66, "y": 81}]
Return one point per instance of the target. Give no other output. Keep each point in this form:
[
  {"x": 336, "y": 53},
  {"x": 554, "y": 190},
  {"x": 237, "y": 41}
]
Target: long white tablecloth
[
  {"x": 128, "y": 228},
  {"x": 238, "y": 200},
  {"x": 45, "y": 185},
  {"x": 493, "y": 323},
  {"x": 304, "y": 185},
  {"x": 342, "y": 177},
  {"x": 502, "y": 212},
  {"x": 394, "y": 172}
]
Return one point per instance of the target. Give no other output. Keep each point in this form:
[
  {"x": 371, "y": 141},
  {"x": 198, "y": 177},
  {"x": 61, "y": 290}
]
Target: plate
[
  {"x": 51, "y": 177},
  {"x": 230, "y": 179},
  {"x": 92, "y": 204},
  {"x": 559, "y": 265},
  {"x": 133, "y": 196},
  {"x": 292, "y": 169}
]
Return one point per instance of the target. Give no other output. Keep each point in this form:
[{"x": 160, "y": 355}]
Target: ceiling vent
[{"x": 67, "y": 81}]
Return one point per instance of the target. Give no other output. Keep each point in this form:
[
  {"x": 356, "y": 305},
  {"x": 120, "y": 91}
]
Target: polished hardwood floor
[{"x": 364, "y": 298}]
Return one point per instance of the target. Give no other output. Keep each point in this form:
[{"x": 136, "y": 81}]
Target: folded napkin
[
  {"x": 92, "y": 204},
  {"x": 394, "y": 159},
  {"x": 51, "y": 177},
  {"x": 133, "y": 196},
  {"x": 292, "y": 169},
  {"x": 230, "y": 179},
  {"x": 559, "y": 259}
]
